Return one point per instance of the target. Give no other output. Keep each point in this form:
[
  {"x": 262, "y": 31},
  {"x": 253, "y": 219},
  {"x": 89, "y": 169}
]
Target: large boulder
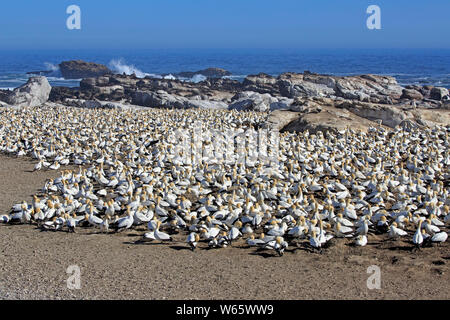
[
  {"x": 390, "y": 116},
  {"x": 279, "y": 119},
  {"x": 438, "y": 93},
  {"x": 254, "y": 101},
  {"x": 206, "y": 104},
  {"x": 34, "y": 93},
  {"x": 158, "y": 99},
  {"x": 369, "y": 88},
  {"x": 294, "y": 85},
  {"x": 261, "y": 83},
  {"x": 305, "y": 89},
  {"x": 163, "y": 99},
  {"x": 411, "y": 94},
  {"x": 78, "y": 69},
  {"x": 4, "y": 94},
  {"x": 327, "y": 119},
  {"x": 432, "y": 117}
]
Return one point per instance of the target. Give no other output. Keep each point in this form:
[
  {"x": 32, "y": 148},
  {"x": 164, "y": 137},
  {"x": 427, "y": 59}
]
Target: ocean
[{"x": 409, "y": 66}]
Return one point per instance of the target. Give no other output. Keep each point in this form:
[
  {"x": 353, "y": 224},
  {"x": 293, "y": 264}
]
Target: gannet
[
  {"x": 192, "y": 240},
  {"x": 361, "y": 240},
  {"x": 418, "y": 237},
  {"x": 439, "y": 237},
  {"x": 161, "y": 236}
]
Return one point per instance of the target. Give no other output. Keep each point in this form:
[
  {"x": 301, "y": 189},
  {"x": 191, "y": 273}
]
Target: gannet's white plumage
[{"x": 342, "y": 184}]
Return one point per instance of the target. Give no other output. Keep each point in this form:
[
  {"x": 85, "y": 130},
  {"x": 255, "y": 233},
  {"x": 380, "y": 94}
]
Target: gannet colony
[{"x": 171, "y": 171}]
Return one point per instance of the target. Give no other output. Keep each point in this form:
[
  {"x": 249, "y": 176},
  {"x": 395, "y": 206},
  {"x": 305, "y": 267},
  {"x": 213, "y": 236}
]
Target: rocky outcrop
[
  {"x": 77, "y": 69},
  {"x": 163, "y": 99},
  {"x": 158, "y": 99},
  {"x": 4, "y": 94},
  {"x": 327, "y": 119},
  {"x": 34, "y": 93},
  {"x": 364, "y": 88},
  {"x": 279, "y": 119},
  {"x": 390, "y": 116},
  {"x": 438, "y": 93},
  {"x": 261, "y": 83},
  {"x": 378, "y": 89},
  {"x": 411, "y": 94},
  {"x": 309, "y": 101},
  {"x": 254, "y": 101},
  {"x": 431, "y": 117}
]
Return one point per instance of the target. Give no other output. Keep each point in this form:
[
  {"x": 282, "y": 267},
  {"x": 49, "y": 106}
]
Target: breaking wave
[
  {"x": 119, "y": 66},
  {"x": 51, "y": 66}
]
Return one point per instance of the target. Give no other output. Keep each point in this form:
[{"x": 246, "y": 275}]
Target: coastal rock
[
  {"x": 34, "y": 93},
  {"x": 438, "y": 93},
  {"x": 261, "y": 83},
  {"x": 254, "y": 101},
  {"x": 390, "y": 116},
  {"x": 92, "y": 104},
  {"x": 109, "y": 90},
  {"x": 279, "y": 119},
  {"x": 4, "y": 94},
  {"x": 159, "y": 99},
  {"x": 126, "y": 81},
  {"x": 78, "y": 69},
  {"x": 369, "y": 88},
  {"x": 88, "y": 83},
  {"x": 283, "y": 103},
  {"x": 221, "y": 84},
  {"x": 432, "y": 117},
  {"x": 206, "y": 104},
  {"x": 304, "y": 89},
  {"x": 328, "y": 119},
  {"x": 61, "y": 94},
  {"x": 411, "y": 94},
  {"x": 317, "y": 101},
  {"x": 102, "y": 81},
  {"x": 163, "y": 99},
  {"x": 305, "y": 105},
  {"x": 294, "y": 85}
]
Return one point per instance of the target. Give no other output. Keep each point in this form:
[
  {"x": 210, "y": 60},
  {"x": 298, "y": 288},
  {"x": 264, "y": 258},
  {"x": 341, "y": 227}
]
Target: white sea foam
[
  {"x": 119, "y": 66},
  {"x": 169, "y": 77},
  {"x": 197, "y": 78},
  {"x": 238, "y": 77},
  {"x": 51, "y": 78},
  {"x": 51, "y": 66}
]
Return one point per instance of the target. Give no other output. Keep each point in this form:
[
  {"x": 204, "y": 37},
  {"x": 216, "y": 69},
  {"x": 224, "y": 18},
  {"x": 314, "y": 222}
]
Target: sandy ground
[{"x": 33, "y": 264}]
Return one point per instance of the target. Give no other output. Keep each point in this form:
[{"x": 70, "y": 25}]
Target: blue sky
[{"x": 155, "y": 24}]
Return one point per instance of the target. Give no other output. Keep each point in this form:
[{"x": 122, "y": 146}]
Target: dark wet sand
[{"x": 33, "y": 264}]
